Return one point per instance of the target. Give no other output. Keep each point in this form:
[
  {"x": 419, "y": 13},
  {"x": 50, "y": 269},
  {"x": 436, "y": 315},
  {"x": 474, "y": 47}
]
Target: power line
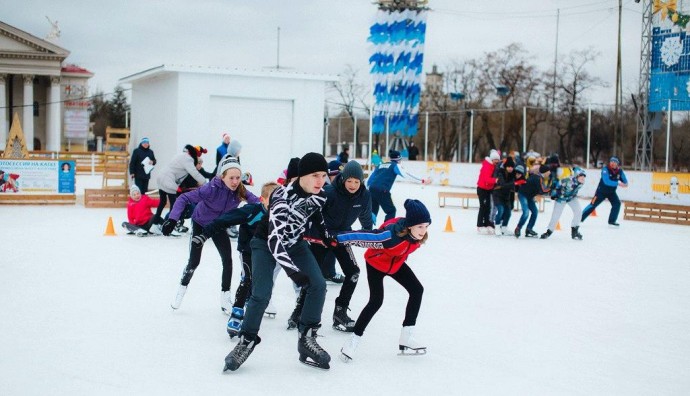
[{"x": 66, "y": 100}]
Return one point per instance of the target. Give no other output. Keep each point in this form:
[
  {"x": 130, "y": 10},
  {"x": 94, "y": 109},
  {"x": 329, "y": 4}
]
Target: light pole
[{"x": 459, "y": 96}]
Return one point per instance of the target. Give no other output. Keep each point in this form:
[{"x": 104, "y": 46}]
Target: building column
[
  {"x": 4, "y": 110},
  {"x": 53, "y": 135},
  {"x": 28, "y": 118}
]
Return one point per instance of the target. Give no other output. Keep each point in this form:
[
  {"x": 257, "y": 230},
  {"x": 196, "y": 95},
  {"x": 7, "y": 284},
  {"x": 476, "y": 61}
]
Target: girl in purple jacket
[{"x": 222, "y": 194}]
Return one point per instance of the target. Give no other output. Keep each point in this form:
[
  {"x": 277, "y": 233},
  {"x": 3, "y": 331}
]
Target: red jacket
[
  {"x": 139, "y": 212},
  {"x": 487, "y": 181},
  {"x": 394, "y": 252}
]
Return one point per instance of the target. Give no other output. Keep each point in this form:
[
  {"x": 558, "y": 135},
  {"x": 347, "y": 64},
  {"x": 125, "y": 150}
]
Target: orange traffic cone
[
  {"x": 109, "y": 229},
  {"x": 594, "y": 213},
  {"x": 558, "y": 226},
  {"x": 449, "y": 226}
]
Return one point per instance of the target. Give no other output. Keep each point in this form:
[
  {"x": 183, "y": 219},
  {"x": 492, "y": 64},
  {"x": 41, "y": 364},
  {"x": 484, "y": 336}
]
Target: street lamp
[{"x": 502, "y": 91}]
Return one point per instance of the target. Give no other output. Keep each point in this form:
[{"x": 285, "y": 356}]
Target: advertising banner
[{"x": 37, "y": 176}]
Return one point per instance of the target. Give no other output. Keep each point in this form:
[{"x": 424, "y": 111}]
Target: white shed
[{"x": 275, "y": 115}]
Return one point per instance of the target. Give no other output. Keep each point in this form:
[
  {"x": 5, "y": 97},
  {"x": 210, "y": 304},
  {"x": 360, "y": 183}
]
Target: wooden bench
[
  {"x": 106, "y": 197},
  {"x": 466, "y": 196},
  {"x": 657, "y": 213},
  {"x": 37, "y": 199},
  {"x": 463, "y": 196}
]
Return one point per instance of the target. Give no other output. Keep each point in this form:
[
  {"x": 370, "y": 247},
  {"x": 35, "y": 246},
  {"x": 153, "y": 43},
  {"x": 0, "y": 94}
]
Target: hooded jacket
[{"x": 182, "y": 164}]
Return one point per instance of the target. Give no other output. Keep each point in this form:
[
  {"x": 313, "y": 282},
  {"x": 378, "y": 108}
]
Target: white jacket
[{"x": 176, "y": 171}]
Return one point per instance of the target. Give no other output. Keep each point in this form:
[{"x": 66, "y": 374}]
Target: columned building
[{"x": 51, "y": 98}]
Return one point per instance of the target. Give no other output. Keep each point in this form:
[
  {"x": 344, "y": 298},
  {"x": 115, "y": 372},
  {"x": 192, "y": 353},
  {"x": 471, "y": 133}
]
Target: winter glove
[
  {"x": 300, "y": 279},
  {"x": 168, "y": 226},
  {"x": 199, "y": 240}
]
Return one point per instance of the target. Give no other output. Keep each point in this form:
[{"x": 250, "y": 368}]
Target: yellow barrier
[
  {"x": 438, "y": 171},
  {"x": 671, "y": 183}
]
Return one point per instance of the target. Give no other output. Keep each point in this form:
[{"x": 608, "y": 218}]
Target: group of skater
[
  {"x": 502, "y": 180},
  {"x": 293, "y": 225}
]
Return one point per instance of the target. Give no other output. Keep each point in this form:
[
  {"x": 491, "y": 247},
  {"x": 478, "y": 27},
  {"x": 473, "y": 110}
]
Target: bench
[
  {"x": 106, "y": 197},
  {"x": 466, "y": 196},
  {"x": 463, "y": 196},
  {"x": 37, "y": 199},
  {"x": 657, "y": 213}
]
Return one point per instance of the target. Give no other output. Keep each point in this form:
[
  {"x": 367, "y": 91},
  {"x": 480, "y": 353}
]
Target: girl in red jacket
[
  {"x": 388, "y": 249},
  {"x": 139, "y": 215},
  {"x": 485, "y": 186}
]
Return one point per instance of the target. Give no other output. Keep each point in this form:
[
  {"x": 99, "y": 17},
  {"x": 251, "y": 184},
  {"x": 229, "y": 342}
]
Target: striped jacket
[{"x": 291, "y": 210}]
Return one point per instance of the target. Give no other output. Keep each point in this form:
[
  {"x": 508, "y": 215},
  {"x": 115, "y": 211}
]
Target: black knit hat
[
  {"x": 310, "y": 163},
  {"x": 543, "y": 169},
  {"x": 292, "y": 168},
  {"x": 509, "y": 163},
  {"x": 416, "y": 213},
  {"x": 352, "y": 170}
]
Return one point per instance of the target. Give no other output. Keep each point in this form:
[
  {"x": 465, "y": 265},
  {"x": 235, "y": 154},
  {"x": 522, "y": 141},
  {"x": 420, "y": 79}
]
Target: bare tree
[{"x": 351, "y": 96}]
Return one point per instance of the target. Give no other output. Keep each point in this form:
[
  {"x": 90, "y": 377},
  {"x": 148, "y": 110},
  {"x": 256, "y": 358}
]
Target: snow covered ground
[{"x": 86, "y": 314}]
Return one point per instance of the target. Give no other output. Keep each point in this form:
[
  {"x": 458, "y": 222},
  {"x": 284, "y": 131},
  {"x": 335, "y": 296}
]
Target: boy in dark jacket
[
  {"x": 347, "y": 199},
  {"x": 502, "y": 193},
  {"x": 537, "y": 184}
]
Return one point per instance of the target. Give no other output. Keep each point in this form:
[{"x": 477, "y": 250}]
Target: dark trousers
[
  {"x": 157, "y": 219},
  {"x": 222, "y": 242},
  {"x": 483, "y": 217},
  {"x": 407, "y": 279},
  {"x": 142, "y": 183},
  {"x": 347, "y": 262},
  {"x": 245, "y": 287},
  {"x": 263, "y": 264},
  {"x": 384, "y": 200},
  {"x": 599, "y": 197}
]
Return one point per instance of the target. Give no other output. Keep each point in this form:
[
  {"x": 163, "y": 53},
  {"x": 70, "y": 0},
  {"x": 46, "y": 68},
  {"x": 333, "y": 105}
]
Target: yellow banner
[
  {"x": 671, "y": 183},
  {"x": 438, "y": 171}
]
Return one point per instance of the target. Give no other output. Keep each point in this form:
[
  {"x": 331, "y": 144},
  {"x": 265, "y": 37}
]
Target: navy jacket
[
  {"x": 247, "y": 216},
  {"x": 342, "y": 208}
]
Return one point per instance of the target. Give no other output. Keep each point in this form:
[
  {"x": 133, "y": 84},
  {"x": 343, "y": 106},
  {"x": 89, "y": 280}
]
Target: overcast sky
[{"x": 114, "y": 39}]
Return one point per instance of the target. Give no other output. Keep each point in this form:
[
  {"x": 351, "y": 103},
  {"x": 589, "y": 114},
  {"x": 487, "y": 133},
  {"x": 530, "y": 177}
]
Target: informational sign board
[{"x": 37, "y": 176}]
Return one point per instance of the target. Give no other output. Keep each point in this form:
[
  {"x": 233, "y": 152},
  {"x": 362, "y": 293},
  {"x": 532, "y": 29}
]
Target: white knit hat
[
  {"x": 228, "y": 163},
  {"x": 494, "y": 155}
]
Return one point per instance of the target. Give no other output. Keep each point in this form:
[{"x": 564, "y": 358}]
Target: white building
[
  {"x": 51, "y": 98},
  {"x": 275, "y": 115}
]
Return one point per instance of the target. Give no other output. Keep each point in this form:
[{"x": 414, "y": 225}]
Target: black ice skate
[
  {"x": 341, "y": 321},
  {"x": 310, "y": 352},
  {"x": 546, "y": 234},
  {"x": 531, "y": 233},
  {"x": 297, "y": 312},
  {"x": 241, "y": 352},
  {"x": 517, "y": 232},
  {"x": 575, "y": 234}
]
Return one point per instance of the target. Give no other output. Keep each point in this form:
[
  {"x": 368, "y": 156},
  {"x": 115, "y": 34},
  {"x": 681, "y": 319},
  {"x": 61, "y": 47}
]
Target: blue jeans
[
  {"x": 263, "y": 265},
  {"x": 529, "y": 209}
]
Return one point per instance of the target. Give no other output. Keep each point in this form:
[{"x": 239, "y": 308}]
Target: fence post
[
  {"x": 589, "y": 132},
  {"x": 354, "y": 138},
  {"x": 668, "y": 133},
  {"x": 426, "y": 135},
  {"x": 93, "y": 164},
  {"x": 471, "y": 132},
  {"x": 524, "y": 130}
]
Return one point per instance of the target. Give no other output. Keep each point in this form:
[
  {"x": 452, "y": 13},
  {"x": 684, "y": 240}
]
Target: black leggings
[
  {"x": 157, "y": 219},
  {"x": 484, "y": 215},
  {"x": 222, "y": 242},
  {"x": 407, "y": 279}
]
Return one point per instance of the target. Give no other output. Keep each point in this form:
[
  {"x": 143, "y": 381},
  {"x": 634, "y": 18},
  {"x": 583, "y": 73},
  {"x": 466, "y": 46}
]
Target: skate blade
[
  {"x": 324, "y": 367},
  {"x": 270, "y": 315},
  {"x": 343, "y": 328},
  {"x": 404, "y": 351}
]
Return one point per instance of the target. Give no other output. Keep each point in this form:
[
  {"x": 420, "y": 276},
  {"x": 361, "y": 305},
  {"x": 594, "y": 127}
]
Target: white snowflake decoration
[{"x": 671, "y": 50}]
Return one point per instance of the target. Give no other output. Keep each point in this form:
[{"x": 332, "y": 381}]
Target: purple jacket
[{"x": 212, "y": 200}]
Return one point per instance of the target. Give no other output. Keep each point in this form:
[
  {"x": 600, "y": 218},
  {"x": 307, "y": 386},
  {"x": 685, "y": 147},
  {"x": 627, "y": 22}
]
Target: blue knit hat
[
  {"x": 144, "y": 140},
  {"x": 615, "y": 159},
  {"x": 416, "y": 213},
  {"x": 334, "y": 168},
  {"x": 394, "y": 155}
]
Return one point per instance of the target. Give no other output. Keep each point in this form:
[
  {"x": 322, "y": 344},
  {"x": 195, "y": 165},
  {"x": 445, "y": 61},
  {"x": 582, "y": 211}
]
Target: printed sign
[{"x": 37, "y": 176}]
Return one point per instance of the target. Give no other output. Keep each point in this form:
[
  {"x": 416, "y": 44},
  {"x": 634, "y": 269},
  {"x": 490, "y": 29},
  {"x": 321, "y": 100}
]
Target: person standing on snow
[
  {"x": 387, "y": 253},
  {"x": 485, "y": 186},
  {"x": 137, "y": 170},
  {"x": 565, "y": 193},
  {"x": 280, "y": 240},
  {"x": 381, "y": 182},
  {"x": 222, "y": 194},
  {"x": 612, "y": 176}
]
